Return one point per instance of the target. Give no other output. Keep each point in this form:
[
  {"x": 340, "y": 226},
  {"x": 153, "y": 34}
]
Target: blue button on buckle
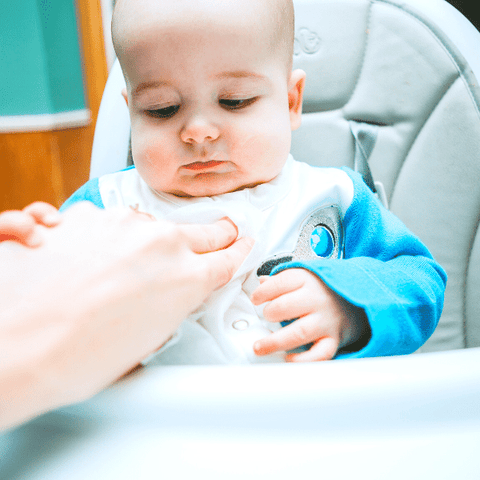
[{"x": 321, "y": 241}]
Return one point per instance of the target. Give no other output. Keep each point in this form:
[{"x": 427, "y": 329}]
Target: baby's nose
[{"x": 199, "y": 129}]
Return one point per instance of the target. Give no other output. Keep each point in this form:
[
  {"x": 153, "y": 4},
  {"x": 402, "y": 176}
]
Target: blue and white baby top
[{"x": 325, "y": 220}]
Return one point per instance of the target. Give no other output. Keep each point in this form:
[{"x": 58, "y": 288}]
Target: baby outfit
[{"x": 325, "y": 220}]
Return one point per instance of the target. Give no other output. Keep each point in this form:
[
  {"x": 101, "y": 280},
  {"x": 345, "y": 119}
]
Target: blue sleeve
[
  {"x": 388, "y": 272},
  {"x": 88, "y": 192}
]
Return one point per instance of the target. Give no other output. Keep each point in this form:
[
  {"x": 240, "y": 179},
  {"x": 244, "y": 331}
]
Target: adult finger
[
  {"x": 222, "y": 264},
  {"x": 44, "y": 213},
  {"x": 211, "y": 237},
  {"x": 323, "y": 349},
  {"x": 16, "y": 225}
]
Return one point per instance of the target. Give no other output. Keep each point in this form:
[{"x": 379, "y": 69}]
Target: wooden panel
[
  {"x": 51, "y": 165},
  {"x": 29, "y": 169}
]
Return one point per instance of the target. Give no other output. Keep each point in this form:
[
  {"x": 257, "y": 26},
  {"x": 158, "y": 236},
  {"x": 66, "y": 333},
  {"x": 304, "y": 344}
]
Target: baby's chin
[{"x": 210, "y": 185}]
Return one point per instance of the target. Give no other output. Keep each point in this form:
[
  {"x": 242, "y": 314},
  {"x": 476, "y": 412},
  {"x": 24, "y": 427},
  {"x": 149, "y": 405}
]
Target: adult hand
[
  {"x": 102, "y": 291},
  {"x": 20, "y": 226}
]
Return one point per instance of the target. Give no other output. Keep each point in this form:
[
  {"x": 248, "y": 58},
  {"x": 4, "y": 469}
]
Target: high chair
[
  {"x": 391, "y": 87},
  {"x": 388, "y": 91}
]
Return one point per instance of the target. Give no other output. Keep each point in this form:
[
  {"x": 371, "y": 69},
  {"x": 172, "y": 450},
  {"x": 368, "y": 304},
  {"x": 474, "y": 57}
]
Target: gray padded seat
[{"x": 384, "y": 65}]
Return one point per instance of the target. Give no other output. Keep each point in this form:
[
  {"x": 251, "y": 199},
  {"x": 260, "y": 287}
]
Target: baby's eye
[
  {"x": 166, "y": 112},
  {"x": 237, "y": 104}
]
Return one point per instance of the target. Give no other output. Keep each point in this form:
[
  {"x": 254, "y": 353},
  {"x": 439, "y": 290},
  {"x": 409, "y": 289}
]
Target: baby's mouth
[
  {"x": 203, "y": 165},
  {"x": 209, "y": 162}
]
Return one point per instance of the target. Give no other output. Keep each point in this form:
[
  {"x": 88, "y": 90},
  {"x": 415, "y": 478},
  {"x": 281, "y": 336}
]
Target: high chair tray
[{"x": 401, "y": 417}]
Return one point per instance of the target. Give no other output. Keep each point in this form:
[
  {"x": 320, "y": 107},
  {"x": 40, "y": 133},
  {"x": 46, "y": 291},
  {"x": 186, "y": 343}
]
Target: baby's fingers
[
  {"x": 275, "y": 286},
  {"x": 323, "y": 349},
  {"x": 301, "y": 332}
]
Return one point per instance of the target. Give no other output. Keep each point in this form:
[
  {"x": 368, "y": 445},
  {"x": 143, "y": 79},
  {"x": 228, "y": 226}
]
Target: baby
[{"x": 213, "y": 100}]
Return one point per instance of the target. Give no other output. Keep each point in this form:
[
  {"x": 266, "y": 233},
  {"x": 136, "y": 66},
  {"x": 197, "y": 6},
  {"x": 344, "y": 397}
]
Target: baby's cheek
[
  {"x": 266, "y": 154},
  {"x": 151, "y": 169}
]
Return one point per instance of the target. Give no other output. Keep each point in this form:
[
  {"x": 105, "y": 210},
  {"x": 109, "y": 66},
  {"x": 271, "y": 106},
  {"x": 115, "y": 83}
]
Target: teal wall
[{"x": 40, "y": 62}]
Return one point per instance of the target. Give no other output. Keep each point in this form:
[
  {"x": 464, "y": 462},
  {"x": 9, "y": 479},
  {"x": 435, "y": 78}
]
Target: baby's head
[{"x": 210, "y": 90}]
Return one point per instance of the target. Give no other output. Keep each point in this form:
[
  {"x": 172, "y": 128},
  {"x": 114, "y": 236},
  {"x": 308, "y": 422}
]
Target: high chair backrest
[{"x": 391, "y": 85}]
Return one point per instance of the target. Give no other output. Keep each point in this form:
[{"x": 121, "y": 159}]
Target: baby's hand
[
  {"x": 22, "y": 226},
  {"x": 324, "y": 318}
]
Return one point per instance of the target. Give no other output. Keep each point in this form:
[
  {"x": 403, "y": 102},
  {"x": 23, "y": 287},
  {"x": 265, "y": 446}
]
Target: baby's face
[{"x": 209, "y": 106}]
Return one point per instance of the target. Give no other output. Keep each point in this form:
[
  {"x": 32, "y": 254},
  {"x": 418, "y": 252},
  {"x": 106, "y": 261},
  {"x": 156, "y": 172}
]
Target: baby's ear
[
  {"x": 125, "y": 95},
  {"x": 296, "y": 85}
]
